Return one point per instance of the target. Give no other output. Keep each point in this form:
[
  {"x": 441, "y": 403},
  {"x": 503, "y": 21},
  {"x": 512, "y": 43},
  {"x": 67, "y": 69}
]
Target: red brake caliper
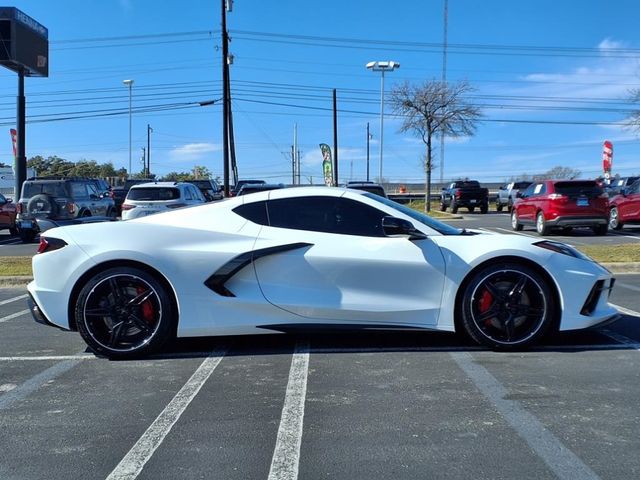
[
  {"x": 147, "y": 307},
  {"x": 484, "y": 304}
]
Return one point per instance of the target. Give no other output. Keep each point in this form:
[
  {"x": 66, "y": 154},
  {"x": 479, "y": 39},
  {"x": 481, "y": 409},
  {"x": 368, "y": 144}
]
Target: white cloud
[{"x": 193, "y": 151}]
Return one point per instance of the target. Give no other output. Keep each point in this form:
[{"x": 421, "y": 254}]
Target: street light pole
[
  {"x": 382, "y": 67},
  {"x": 129, "y": 83}
]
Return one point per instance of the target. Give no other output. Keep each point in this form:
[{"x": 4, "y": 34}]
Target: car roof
[{"x": 158, "y": 184}]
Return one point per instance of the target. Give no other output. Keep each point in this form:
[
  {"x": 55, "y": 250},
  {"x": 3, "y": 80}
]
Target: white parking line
[
  {"x": 14, "y": 299},
  {"x": 49, "y": 358},
  {"x": 626, "y": 311},
  {"x": 36, "y": 382},
  {"x": 560, "y": 460},
  {"x": 134, "y": 461},
  {"x": 626, "y": 285},
  {"x": 286, "y": 456},
  {"x": 14, "y": 315},
  {"x": 623, "y": 235}
]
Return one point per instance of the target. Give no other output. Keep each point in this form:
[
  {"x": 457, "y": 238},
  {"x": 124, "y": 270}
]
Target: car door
[
  {"x": 629, "y": 206},
  {"x": 526, "y": 207},
  {"x": 340, "y": 266}
]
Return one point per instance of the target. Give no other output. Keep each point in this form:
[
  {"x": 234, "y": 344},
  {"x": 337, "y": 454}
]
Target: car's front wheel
[
  {"x": 507, "y": 306},
  {"x": 124, "y": 312}
]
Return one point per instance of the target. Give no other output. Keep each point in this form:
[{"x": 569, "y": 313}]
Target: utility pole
[
  {"x": 298, "y": 166},
  {"x": 293, "y": 165},
  {"x": 21, "y": 156},
  {"x": 144, "y": 163},
  {"x": 225, "y": 99},
  {"x": 294, "y": 150},
  {"x": 335, "y": 138},
  {"x": 149, "y": 131}
]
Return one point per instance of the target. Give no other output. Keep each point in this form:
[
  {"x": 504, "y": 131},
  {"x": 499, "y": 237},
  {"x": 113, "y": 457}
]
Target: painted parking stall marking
[
  {"x": 286, "y": 455},
  {"x": 134, "y": 461},
  {"x": 14, "y": 299},
  {"x": 560, "y": 460},
  {"x": 14, "y": 315}
]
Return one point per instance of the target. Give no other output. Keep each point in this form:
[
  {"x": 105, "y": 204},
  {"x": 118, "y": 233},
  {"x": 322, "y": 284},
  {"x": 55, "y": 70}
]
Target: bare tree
[
  {"x": 432, "y": 108},
  {"x": 633, "y": 122}
]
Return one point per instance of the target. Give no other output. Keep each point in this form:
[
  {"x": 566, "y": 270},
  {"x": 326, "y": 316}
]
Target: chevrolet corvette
[{"x": 307, "y": 258}]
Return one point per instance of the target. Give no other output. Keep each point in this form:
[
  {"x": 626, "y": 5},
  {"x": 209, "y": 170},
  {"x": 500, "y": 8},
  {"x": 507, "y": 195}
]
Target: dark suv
[{"x": 59, "y": 199}]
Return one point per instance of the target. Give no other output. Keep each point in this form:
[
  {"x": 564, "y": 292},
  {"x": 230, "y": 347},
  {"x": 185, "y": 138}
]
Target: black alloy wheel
[
  {"x": 507, "y": 306},
  {"x": 124, "y": 312}
]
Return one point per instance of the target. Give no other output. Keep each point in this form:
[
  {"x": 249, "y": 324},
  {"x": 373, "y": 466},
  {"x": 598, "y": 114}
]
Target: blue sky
[{"x": 539, "y": 68}]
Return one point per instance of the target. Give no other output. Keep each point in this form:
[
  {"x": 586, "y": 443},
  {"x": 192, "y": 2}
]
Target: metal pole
[
  {"x": 335, "y": 138},
  {"x": 149, "y": 130},
  {"x": 130, "y": 123},
  {"x": 21, "y": 159},
  {"x": 381, "y": 124},
  {"x": 444, "y": 81},
  {"x": 225, "y": 101},
  {"x": 368, "y": 138},
  {"x": 293, "y": 152}
]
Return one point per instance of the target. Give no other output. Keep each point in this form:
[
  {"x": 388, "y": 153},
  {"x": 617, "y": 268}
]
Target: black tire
[
  {"x": 484, "y": 208},
  {"x": 515, "y": 224},
  {"x": 614, "y": 219},
  {"x": 42, "y": 206},
  {"x": 471, "y": 209},
  {"x": 14, "y": 231},
  {"x": 454, "y": 207},
  {"x": 124, "y": 312},
  {"x": 498, "y": 206},
  {"x": 541, "y": 225},
  {"x": 112, "y": 214},
  {"x": 600, "y": 229},
  {"x": 507, "y": 306},
  {"x": 27, "y": 236},
  {"x": 85, "y": 214},
  {"x": 443, "y": 207}
]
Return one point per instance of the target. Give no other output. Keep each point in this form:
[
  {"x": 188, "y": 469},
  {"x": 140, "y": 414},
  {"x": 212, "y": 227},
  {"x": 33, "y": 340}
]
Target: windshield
[{"x": 440, "y": 227}]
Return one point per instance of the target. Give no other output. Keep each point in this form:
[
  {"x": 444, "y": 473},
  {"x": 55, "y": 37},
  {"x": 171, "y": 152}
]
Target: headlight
[{"x": 563, "y": 249}]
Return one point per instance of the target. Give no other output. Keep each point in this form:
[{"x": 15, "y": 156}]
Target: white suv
[{"x": 149, "y": 198}]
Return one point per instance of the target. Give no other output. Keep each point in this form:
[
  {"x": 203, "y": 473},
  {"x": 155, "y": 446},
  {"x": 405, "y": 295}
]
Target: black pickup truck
[{"x": 464, "y": 193}]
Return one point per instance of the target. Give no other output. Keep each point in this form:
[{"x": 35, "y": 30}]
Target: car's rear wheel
[
  {"x": 498, "y": 206},
  {"x": 454, "y": 206},
  {"x": 541, "y": 224},
  {"x": 614, "y": 219},
  {"x": 124, "y": 312},
  {"x": 471, "y": 209},
  {"x": 515, "y": 224},
  {"x": 507, "y": 306},
  {"x": 27, "y": 236},
  {"x": 484, "y": 208},
  {"x": 443, "y": 207}
]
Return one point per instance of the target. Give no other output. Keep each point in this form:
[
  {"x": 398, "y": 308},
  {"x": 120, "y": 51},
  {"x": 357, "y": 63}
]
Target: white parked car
[
  {"x": 307, "y": 258},
  {"x": 149, "y": 198}
]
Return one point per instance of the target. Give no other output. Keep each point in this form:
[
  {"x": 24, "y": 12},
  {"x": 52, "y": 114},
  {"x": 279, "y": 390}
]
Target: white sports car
[{"x": 307, "y": 257}]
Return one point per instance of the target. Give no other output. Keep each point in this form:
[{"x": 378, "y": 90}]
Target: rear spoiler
[{"x": 45, "y": 224}]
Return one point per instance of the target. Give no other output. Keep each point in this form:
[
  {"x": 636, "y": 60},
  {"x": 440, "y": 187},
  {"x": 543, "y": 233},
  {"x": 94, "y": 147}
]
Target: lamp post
[
  {"x": 129, "y": 83},
  {"x": 382, "y": 67}
]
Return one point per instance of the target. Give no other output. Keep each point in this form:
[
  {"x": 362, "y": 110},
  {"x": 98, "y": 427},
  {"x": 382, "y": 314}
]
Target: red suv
[
  {"x": 625, "y": 207},
  {"x": 563, "y": 204},
  {"x": 8, "y": 215}
]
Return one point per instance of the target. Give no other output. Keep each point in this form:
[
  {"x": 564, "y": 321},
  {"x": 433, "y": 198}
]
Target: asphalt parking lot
[{"x": 369, "y": 406}]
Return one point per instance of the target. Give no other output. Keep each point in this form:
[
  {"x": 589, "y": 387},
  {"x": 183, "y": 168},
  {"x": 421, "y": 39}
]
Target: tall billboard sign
[{"x": 24, "y": 43}]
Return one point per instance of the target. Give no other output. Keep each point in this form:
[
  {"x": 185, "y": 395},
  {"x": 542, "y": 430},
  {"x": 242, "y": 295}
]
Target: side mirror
[
  {"x": 394, "y": 226},
  {"x": 519, "y": 195}
]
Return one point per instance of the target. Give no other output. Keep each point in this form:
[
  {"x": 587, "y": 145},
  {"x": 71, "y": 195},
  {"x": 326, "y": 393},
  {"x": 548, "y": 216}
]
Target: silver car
[{"x": 149, "y": 198}]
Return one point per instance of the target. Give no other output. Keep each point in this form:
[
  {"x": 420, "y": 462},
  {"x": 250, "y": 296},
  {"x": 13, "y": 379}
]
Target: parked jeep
[{"x": 59, "y": 199}]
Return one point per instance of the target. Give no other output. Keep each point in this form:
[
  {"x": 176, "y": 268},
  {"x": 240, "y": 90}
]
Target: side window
[
  {"x": 187, "y": 193},
  {"x": 78, "y": 190},
  {"x": 92, "y": 189},
  {"x": 529, "y": 191},
  {"x": 326, "y": 214},
  {"x": 254, "y": 212}
]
